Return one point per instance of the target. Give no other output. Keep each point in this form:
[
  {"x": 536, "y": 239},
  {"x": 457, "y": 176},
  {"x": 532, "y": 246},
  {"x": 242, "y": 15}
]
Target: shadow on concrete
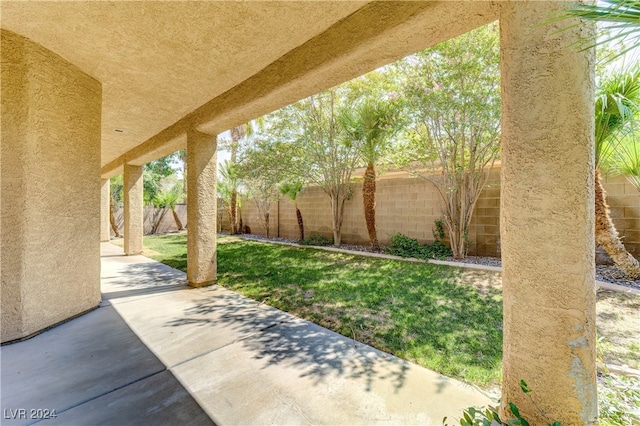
[
  {"x": 142, "y": 278},
  {"x": 92, "y": 370},
  {"x": 281, "y": 339}
]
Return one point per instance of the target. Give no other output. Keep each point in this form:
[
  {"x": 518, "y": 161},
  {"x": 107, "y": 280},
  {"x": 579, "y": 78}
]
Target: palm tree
[
  {"x": 617, "y": 100},
  {"x": 228, "y": 191},
  {"x": 622, "y": 17},
  {"x": 237, "y": 134},
  {"x": 626, "y": 159},
  {"x": 292, "y": 189},
  {"x": 170, "y": 198},
  {"x": 372, "y": 123}
]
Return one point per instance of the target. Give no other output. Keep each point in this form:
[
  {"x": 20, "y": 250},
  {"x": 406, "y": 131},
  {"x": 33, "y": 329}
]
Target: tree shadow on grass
[{"x": 444, "y": 318}]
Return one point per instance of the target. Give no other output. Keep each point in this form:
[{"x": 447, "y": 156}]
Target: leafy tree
[
  {"x": 453, "y": 103},
  {"x": 152, "y": 175},
  {"x": 263, "y": 170},
  {"x": 372, "y": 123},
  {"x": 617, "y": 100},
  {"x": 320, "y": 153}
]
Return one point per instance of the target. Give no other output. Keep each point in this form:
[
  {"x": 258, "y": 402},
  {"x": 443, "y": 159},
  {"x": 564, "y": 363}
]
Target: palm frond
[{"x": 622, "y": 18}]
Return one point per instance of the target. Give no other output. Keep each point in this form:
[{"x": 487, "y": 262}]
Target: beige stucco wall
[
  {"x": 51, "y": 125},
  {"x": 202, "y": 151},
  {"x": 133, "y": 209},
  {"x": 105, "y": 199},
  {"x": 547, "y": 214}
]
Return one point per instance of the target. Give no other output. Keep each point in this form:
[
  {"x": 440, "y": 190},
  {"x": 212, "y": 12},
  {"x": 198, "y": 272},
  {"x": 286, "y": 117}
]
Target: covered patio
[{"x": 94, "y": 89}]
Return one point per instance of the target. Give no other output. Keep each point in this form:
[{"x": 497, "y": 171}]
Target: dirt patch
[{"x": 618, "y": 325}]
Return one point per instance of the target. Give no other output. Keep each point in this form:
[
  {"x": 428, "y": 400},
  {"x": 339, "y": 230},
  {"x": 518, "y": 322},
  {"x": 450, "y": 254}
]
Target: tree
[
  {"x": 617, "y": 100},
  {"x": 116, "y": 186},
  {"x": 240, "y": 139},
  {"x": 263, "y": 169},
  {"x": 237, "y": 134},
  {"x": 182, "y": 156},
  {"x": 625, "y": 160},
  {"x": 152, "y": 175},
  {"x": 170, "y": 198},
  {"x": 228, "y": 187},
  {"x": 292, "y": 189},
  {"x": 371, "y": 123},
  {"x": 453, "y": 102},
  {"x": 320, "y": 152},
  {"x": 622, "y": 19}
]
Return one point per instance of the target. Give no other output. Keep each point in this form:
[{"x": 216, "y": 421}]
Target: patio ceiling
[{"x": 166, "y": 66}]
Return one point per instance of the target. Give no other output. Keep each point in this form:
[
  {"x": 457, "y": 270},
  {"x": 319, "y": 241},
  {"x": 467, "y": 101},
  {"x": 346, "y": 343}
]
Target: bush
[
  {"x": 316, "y": 240},
  {"x": 401, "y": 245}
]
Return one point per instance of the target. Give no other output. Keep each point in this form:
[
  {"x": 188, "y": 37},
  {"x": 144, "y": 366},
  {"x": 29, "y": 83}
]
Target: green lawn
[{"x": 419, "y": 312}]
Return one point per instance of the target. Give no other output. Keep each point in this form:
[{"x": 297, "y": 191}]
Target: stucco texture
[
  {"x": 202, "y": 203},
  {"x": 105, "y": 198},
  {"x": 133, "y": 209},
  {"x": 547, "y": 217},
  {"x": 51, "y": 189}
]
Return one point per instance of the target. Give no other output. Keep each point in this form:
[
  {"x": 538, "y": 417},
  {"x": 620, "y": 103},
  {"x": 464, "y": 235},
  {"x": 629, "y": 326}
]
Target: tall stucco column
[
  {"x": 105, "y": 198},
  {"x": 201, "y": 208},
  {"x": 547, "y": 217},
  {"x": 133, "y": 209},
  {"x": 50, "y": 184}
]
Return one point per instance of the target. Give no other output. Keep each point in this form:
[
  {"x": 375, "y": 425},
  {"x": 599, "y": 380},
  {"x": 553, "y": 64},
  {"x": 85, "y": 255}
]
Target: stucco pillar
[
  {"x": 105, "y": 225},
  {"x": 201, "y": 209},
  {"x": 133, "y": 210},
  {"x": 50, "y": 184},
  {"x": 547, "y": 216}
]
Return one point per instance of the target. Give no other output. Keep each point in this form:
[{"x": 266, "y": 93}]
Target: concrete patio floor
[{"x": 158, "y": 352}]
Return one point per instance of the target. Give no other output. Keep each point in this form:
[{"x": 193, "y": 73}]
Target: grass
[
  {"x": 443, "y": 318},
  {"x": 419, "y": 312}
]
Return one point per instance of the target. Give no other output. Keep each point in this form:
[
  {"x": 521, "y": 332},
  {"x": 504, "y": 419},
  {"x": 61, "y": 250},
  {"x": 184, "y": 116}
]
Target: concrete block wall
[
  {"x": 167, "y": 223},
  {"x": 412, "y": 205},
  {"x": 624, "y": 201}
]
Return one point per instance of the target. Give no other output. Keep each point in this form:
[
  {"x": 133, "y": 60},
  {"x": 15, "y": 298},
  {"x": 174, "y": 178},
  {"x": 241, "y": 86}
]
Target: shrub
[
  {"x": 316, "y": 240},
  {"x": 401, "y": 245}
]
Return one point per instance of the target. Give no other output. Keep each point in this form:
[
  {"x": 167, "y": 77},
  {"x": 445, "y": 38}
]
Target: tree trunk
[
  {"x": 300, "y": 223},
  {"x": 607, "y": 235},
  {"x": 233, "y": 208},
  {"x": 156, "y": 218},
  {"x": 183, "y": 157},
  {"x": 337, "y": 210},
  {"x": 369, "y": 199},
  {"x": 177, "y": 219},
  {"x": 112, "y": 218}
]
